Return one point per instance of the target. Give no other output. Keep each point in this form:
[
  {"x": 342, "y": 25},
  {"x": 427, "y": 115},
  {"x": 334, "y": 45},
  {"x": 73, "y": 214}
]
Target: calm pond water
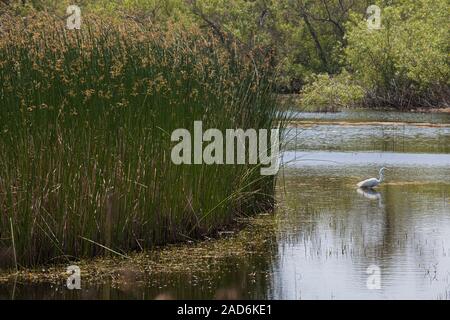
[{"x": 328, "y": 233}]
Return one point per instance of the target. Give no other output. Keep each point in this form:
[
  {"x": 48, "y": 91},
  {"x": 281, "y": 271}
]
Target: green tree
[
  {"x": 308, "y": 35},
  {"x": 406, "y": 61}
]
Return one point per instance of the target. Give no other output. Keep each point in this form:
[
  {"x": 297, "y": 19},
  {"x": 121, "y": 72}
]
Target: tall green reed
[{"x": 85, "y": 123}]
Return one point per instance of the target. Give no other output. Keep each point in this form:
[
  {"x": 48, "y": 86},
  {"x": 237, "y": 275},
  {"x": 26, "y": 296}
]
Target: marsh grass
[{"x": 85, "y": 123}]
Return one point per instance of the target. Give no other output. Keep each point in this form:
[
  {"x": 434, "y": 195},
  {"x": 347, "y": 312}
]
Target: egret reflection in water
[{"x": 371, "y": 195}]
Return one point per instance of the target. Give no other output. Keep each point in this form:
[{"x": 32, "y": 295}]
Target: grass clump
[{"x": 85, "y": 123}]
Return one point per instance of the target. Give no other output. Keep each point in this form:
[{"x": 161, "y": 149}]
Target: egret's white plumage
[{"x": 372, "y": 182}]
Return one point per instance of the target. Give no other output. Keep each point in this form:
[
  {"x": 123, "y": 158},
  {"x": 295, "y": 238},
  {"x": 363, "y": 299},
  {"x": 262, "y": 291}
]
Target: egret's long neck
[{"x": 381, "y": 176}]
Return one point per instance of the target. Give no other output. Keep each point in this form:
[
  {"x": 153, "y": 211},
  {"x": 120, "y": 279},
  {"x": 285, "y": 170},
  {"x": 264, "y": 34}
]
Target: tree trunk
[{"x": 313, "y": 33}]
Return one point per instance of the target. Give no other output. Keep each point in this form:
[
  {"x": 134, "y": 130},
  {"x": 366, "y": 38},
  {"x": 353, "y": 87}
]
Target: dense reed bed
[{"x": 85, "y": 123}]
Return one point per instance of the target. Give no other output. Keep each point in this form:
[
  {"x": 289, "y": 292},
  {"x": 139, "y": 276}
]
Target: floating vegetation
[{"x": 255, "y": 237}]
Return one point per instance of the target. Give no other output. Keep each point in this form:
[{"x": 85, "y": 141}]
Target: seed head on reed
[{"x": 84, "y": 143}]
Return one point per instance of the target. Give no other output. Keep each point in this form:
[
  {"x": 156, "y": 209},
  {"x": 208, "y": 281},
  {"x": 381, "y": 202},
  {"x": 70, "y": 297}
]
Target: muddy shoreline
[
  {"x": 247, "y": 237},
  {"x": 290, "y": 100}
]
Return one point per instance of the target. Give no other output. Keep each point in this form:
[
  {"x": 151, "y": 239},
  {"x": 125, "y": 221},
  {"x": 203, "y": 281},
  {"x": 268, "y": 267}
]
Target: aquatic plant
[{"x": 85, "y": 123}]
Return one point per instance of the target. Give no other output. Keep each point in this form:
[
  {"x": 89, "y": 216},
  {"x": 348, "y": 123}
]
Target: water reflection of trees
[{"x": 368, "y": 138}]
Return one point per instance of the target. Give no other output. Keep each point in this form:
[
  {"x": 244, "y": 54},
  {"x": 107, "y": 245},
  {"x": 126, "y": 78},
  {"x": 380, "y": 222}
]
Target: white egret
[{"x": 372, "y": 182}]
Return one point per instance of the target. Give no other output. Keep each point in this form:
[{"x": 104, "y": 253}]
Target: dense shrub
[
  {"x": 405, "y": 63},
  {"x": 325, "y": 93}
]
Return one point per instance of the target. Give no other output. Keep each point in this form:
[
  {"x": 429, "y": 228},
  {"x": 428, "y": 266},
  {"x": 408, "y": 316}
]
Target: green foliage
[
  {"x": 311, "y": 36},
  {"x": 248, "y": 21},
  {"x": 155, "y": 11},
  {"x": 143, "y": 11},
  {"x": 325, "y": 93},
  {"x": 307, "y": 35},
  {"x": 408, "y": 54}
]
